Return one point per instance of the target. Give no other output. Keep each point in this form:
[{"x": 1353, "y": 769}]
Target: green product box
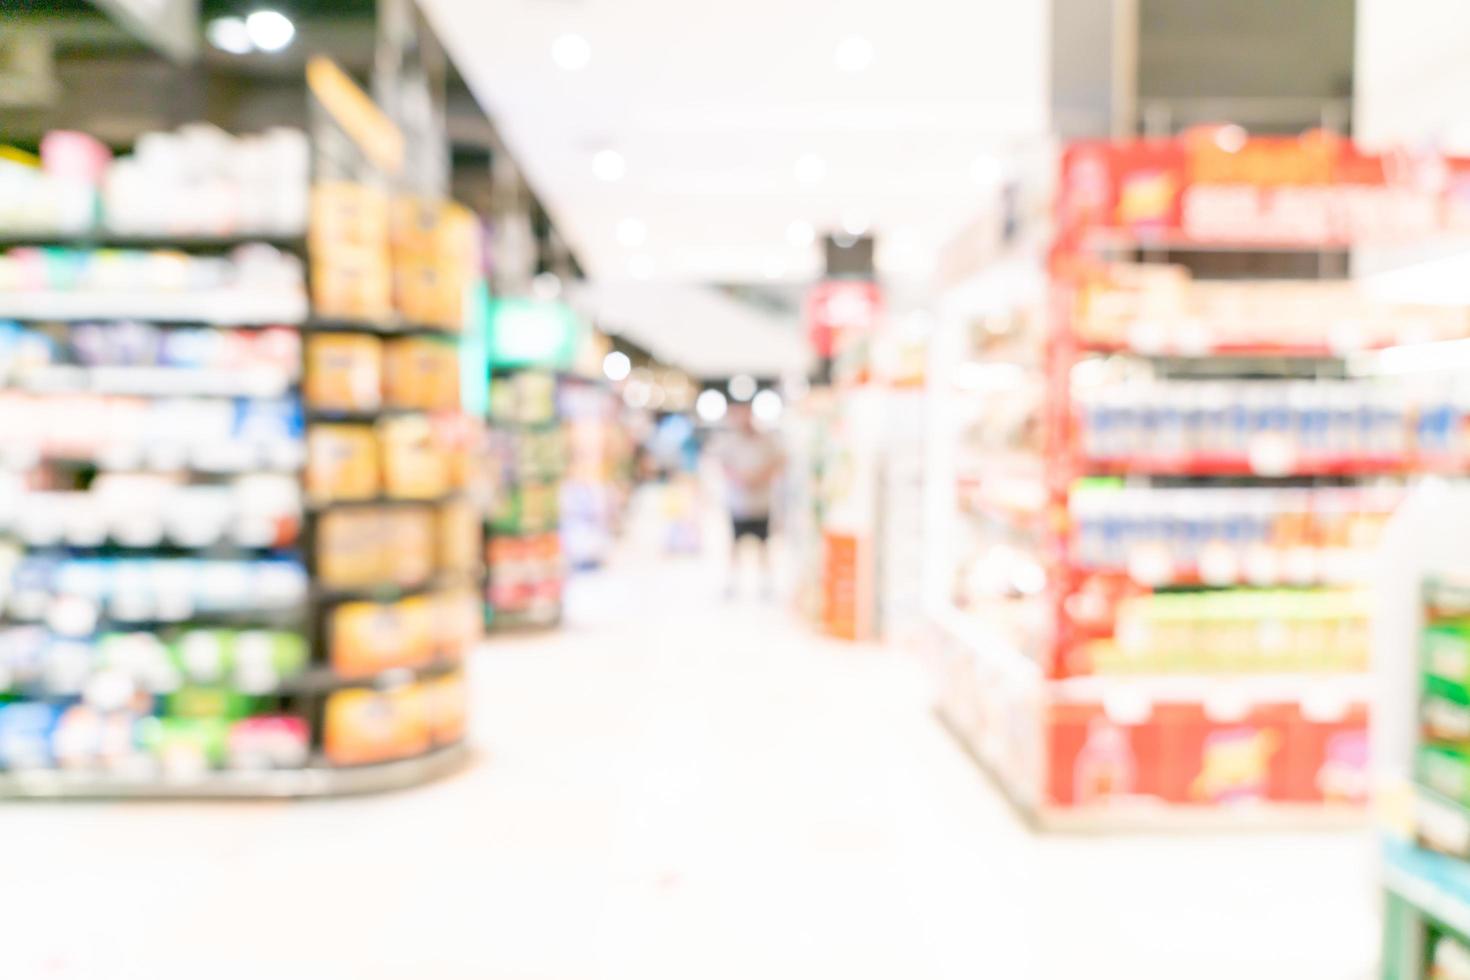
[
  {"x": 199, "y": 702},
  {"x": 1444, "y": 770},
  {"x": 1444, "y": 720}
]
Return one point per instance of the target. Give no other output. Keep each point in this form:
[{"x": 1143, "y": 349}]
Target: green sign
[{"x": 530, "y": 333}]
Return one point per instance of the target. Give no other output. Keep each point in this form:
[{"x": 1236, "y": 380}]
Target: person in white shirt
[{"x": 751, "y": 462}]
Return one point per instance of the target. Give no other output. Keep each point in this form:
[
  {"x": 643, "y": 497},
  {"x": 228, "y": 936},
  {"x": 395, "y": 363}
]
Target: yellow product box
[
  {"x": 344, "y": 372},
  {"x": 341, "y": 462}
]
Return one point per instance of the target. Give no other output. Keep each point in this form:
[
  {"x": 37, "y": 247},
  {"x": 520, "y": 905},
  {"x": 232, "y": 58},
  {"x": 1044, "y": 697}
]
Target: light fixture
[
  {"x": 608, "y": 165},
  {"x": 800, "y": 233},
  {"x": 854, "y": 53},
  {"x": 742, "y": 387},
  {"x": 986, "y": 170},
  {"x": 766, "y": 406},
  {"x": 270, "y": 30},
  {"x": 230, "y": 35},
  {"x": 616, "y": 365},
  {"x": 632, "y": 232},
  {"x": 855, "y": 223},
  {"x": 710, "y": 406},
  {"x": 571, "y": 52},
  {"x": 810, "y": 169},
  {"x": 640, "y": 267}
]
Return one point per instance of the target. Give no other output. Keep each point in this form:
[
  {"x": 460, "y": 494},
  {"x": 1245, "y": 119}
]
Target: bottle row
[{"x": 26, "y": 352}]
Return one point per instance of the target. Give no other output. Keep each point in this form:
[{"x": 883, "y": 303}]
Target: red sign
[
  {"x": 838, "y": 310},
  {"x": 1216, "y": 184}
]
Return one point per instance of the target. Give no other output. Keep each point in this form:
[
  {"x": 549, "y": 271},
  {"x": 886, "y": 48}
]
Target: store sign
[
  {"x": 530, "y": 333},
  {"x": 1217, "y": 185},
  {"x": 358, "y": 115},
  {"x": 839, "y": 311}
]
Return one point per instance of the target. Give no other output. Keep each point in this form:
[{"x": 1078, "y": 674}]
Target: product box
[
  {"x": 366, "y": 638},
  {"x": 1217, "y": 757},
  {"x": 268, "y": 742},
  {"x": 1327, "y": 756},
  {"x": 409, "y": 544},
  {"x": 458, "y": 622},
  {"x": 447, "y": 705},
  {"x": 344, "y": 372},
  {"x": 362, "y": 726},
  {"x": 342, "y": 463},
  {"x": 459, "y": 537},
  {"x": 1094, "y": 760},
  {"x": 422, "y": 372},
  {"x": 351, "y": 549},
  {"x": 415, "y": 465}
]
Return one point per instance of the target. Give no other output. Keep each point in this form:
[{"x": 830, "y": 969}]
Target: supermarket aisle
[{"x": 673, "y": 787}]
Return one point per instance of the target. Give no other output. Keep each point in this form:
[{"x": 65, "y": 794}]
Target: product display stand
[
  {"x": 240, "y": 564},
  {"x": 1183, "y": 514}
]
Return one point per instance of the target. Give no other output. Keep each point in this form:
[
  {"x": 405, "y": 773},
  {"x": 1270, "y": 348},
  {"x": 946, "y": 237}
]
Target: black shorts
[{"x": 751, "y": 527}]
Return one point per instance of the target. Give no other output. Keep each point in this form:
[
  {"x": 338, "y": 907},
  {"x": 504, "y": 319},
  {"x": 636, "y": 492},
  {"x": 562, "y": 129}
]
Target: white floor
[{"x": 672, "y": 788}]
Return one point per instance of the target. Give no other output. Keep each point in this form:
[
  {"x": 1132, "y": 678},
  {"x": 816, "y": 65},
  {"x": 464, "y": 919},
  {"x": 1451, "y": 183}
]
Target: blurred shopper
[{"x": 751, "y": 462}]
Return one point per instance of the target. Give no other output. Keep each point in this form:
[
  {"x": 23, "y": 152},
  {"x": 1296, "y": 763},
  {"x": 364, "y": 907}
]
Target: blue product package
[
  {"x": 25, "y": 735},
  {"x": 189, "y": 348}
]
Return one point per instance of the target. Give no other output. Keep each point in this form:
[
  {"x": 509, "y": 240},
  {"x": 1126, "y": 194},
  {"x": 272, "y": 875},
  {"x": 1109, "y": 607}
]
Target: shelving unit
[
  {"x": 128, "y": 665},
  {"x": 1174, "y": 493}
]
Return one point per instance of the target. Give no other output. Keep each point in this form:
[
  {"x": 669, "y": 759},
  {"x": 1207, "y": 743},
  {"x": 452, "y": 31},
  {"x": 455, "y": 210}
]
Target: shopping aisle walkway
[{"x": 673, "y": 788}]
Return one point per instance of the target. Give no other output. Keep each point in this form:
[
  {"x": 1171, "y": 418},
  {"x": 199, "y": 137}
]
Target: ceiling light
[
  {"x": 854, "y": 53},
  {"x": 800, "y": 233},
  {"x": 571, "y": 52},
  {"x": 710, "y": 406},
  {"x": 855, "y": 224},
  {"x": 269, "y": 30},
  {"x": 640, "y": 267},
  {"x": 766, "y": 406},
  {"x": 616, "y": 365},
  {"x": 632, "y": 232},
  {"x": 608, "y": 165},
  {"x": 546, "y": 286},
  {"x": 230, "y": 35},
  {"x": 742, "y": 387},
  {"x": 986, "y": 170},
  {"x": 810, "y": 168}
]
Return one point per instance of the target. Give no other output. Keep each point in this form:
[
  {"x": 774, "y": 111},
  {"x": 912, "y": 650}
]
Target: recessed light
[
  {"x": 632, "y": 232},
  {"x": 766, "y": 406},
  {"x": 609, "y": 165},
  {"x": 800, "y": 233},
  {"x": 571, "y": 52},
  {"x": 616, "y": 365},
  {"x": 230, "y": 35},
  {"x": 270, "y": 30},
  {"x": 810, "y": 168},
  {"x": 854, "y": 53},
  {"x": 710, "y": 406},
  {"x": 855, "y": 223}
]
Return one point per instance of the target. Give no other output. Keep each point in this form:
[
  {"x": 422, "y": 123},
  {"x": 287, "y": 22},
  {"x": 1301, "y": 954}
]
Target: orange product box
[
  {"x": 350, "y": 551},
  {"x": 362, "y": 726},
  {"x": 414, "y": 228},
  {"x": 341, "y": 462},
  {"x": 344, "y": 372},
  {"x": 345, "y": 213},
  {"x": 415, "y": 466},
  {"x": 458, "y": 622},
  {"x": 367, "y": 638},
  {"x": 447, "y": 706},
  {"x": 422, "y": 372},
  {"x": 340, "y": 290},
  {"x": 408, "y": 545},
  {"x": 459, "y": 537}
]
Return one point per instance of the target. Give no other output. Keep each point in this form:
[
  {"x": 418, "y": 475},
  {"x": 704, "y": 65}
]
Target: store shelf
[
  {"x": 390, "y": 592},
  {"x": 135, "y": 460},
  {"x": 317, "y": 780},
  {"x": 1150, "y": 816},
  {"x": 1325, "y": 689},
  {"x": 369, "y": 416},
  {"x": 1114, "y": 240},
  {"x": 101, "y": 238},
  {"x": 391, "y": 328},
  {"x": 1435, "y": 884},
  {"x": 159, "y": 381},
  {"x": 1174, "y": 348},
  {"x": 1243, "y": 465},
  {"x": 319, "y": 680},
  {"x": 324, "y": 506},
  {"x": 235, "y": 308}
]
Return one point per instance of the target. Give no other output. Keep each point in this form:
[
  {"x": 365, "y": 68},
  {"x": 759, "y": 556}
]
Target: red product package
[
  {"x": 1222, "y": 756},
  {"x": 1328, "y": 755},
  {"x": 1093, "y": 759}
]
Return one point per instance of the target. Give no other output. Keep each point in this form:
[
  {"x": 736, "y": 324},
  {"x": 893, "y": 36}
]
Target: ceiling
[{"x": 712, "y": 105}]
